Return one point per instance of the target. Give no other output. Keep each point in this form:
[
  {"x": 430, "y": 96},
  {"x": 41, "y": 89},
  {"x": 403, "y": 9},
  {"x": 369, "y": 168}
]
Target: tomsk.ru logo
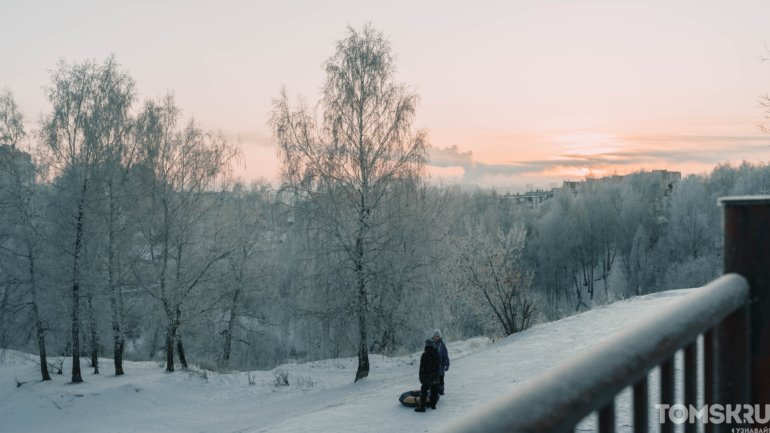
[{"x": 717, "y": 414}]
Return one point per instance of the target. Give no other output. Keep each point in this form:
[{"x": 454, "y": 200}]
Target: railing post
[
  {"x": 691, "y": 382},
  {"x": 732, "y": 363},
  {"x": 746, "y": 233},
  {"x": 641, "y": 406},
  {"x": 709, "y": 374},
  {"x": 667, "y": 384}
]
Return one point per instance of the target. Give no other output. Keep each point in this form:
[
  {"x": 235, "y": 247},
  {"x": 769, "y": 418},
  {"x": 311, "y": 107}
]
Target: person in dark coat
[
  {"x": 444, "y": 354},
  {"x": 430, "y": 363}
]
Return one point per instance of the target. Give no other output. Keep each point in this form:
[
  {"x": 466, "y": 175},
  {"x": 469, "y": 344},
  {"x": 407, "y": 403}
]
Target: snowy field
[{"x": 320, "y": 396}]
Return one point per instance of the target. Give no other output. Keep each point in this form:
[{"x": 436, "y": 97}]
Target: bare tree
[
  {"x": 404, "y": 282},
  {"x": 556, "y": 247},
  {"x": 116, "y": 184},
  {"x": 603, "y": 208},
  {"x": 246, "y": 209},
  {"x": 90, "y": 105},
  {"x": 347, "y": 165},
  {"x": 18, "y": 179},
  {"x": 189, "y": 170},
  {"x": 490, "y": 277},
  {"x": 688, "y": 220},
  {"x": 639, "y": 263}
]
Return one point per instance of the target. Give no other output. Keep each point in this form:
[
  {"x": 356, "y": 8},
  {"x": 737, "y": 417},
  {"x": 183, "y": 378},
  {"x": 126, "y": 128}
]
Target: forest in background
[{"x": 124, "y": 234}]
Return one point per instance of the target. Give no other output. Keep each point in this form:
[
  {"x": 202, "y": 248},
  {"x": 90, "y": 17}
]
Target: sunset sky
[{"x": 513, "y": 92}]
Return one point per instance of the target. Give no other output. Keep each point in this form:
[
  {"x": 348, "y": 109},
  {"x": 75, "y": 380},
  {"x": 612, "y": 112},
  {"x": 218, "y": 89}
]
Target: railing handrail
[{"x": 559, "y": 399}]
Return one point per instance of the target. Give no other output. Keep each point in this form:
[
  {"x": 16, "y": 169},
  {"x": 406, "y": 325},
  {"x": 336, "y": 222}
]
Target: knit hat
[
  {"x": 429, "y": 343},
  {"x": 437, "y": 333}
]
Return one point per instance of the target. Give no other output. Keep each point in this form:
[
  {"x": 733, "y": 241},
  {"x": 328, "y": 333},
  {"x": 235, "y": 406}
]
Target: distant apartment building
[
  {"x": 612, "y": 178},
  {"x": 668, "y": 177},
  {"x": 532, "y": 198},
  {"x": 570, "y": 186}
]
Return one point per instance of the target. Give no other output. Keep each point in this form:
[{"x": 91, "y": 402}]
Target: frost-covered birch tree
[
  {"x": 117, "y": 187},
  {"x": 246, "y": 209},
  {"x": 345, "y": 164},
  {"x": 588, "y": 251},
  {"x": 20, "y": 213},
  {"x": 491, "y": 278},
  {"x": 90, "y": 106},
  {"x": 604, "y": 202},
  {"x": 189, "y": 170}
]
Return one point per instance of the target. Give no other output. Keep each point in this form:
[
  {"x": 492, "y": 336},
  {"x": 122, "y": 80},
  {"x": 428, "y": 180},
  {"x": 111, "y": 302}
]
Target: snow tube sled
[{"x": 412, "y": 398}]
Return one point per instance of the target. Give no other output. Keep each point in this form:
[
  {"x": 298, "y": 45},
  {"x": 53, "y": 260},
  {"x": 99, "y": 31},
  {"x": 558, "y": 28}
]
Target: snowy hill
[{"x": 320, "y": 396}]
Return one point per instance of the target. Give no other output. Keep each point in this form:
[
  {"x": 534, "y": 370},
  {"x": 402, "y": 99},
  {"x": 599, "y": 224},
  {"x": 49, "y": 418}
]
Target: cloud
[
  {"x": 450, "y": 157},
  {"x": 478, "y": 171},
  {"x": 475, "y": 171},
  {"x": 252, "y": 138},
  {"x": 606, "y": 153},
  {"x": 675, "y": 150}
]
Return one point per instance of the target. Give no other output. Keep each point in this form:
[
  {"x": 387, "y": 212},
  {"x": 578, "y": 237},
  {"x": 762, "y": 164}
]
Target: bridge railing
[{"x": 732, "y": 314}]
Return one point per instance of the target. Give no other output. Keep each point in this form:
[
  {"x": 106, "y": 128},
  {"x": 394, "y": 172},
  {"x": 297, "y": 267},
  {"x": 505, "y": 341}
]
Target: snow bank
[{"x": 320, "y": 396}]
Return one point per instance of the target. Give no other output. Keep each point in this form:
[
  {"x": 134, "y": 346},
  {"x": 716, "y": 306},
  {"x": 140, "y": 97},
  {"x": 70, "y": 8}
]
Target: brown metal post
[
  {"x": 691, "y": 382},
  {"x": 709, "y": 374},
  {"x": 732, "y": 356},
  {"x": 747, "y": 252},
  {"x": 641, "y": 405},
  {"x": 667, "y": 384},
  {"x": 607, "y": 418}
]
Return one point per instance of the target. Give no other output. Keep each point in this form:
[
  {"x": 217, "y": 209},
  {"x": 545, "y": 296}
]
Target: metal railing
[{"x": 732, "y": 313}]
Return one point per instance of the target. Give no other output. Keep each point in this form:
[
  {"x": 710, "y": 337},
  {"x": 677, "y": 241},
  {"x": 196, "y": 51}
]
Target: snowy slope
[{"x": 320, "y": 396}]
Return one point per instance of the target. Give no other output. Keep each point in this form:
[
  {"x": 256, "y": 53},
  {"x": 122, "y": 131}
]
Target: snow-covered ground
[{"x": 320, "y": 397}]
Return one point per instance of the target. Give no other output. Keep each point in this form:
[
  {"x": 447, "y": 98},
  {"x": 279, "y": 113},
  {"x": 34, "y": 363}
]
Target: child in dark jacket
[
  {"x": 444, "y": 354},
  {"x": 429, "y": 376}
]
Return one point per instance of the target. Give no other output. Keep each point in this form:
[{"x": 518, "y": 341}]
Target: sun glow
[{"x": 589, "y": 144}]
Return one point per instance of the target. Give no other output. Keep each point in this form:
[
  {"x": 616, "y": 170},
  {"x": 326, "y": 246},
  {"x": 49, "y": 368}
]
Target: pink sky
[{"x": 512, "y": 92}]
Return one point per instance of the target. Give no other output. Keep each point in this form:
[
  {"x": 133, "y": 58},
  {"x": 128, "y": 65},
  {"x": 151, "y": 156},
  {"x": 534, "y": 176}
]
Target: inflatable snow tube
[{"x": 412, "y": 398}]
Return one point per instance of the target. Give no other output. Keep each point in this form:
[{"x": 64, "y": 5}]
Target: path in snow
[{"x": 148, "y": 399}]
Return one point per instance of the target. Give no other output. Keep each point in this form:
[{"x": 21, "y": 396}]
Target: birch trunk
[
  {"x": 36, "y": 317},
  {"x": 363, "y": 349},
  {"x": 363, "y": 223},
  {"x": 76, "y": 376},
  {"x": 230, "y": 328},
  {"x": 171, "y": 331},
  {"x": 180, "y": 349},
  {"x": 116, "y": 298},
  {"x": 178, "y": 316},
  {"x": 3, "y": 326},
  {"x": 154, "y": 342},
  {"x": 170, "y": 350},
  {"x": 94, "y": 335}
]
